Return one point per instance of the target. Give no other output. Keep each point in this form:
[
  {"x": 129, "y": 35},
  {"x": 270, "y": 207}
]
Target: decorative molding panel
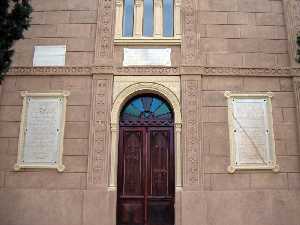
[
  {"x": 104, "y": 33},
  {"x": 292, "y": 19},
  {"x": 192, "y": 139},
  {"x": 250, "y": 123},
  {"x": 123, "y": 82},
  {"x": 41, "y": 134},
  {"x": 99, "y": 131}
]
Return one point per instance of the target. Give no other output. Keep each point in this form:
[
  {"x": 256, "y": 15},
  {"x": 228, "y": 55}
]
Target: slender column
[
  {"x": 177, "y": 20},
  {"x": 178, "y": 162},
  {"x": 158, "y": 18},
  {"x": 119, "y": 18},
  {"x": 114, "y": 156},
  {"x": 138, "y": 18}
]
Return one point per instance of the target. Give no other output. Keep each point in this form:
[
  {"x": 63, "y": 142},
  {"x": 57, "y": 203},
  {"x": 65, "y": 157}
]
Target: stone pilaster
[
  {"x": 99, "y": 131},
  {"x": 296, "y": 81},
  {"x": 104, "y": 33},
  {"x": 292, "y": 18},
  {"x": 189, "y": 44},
  {"x": 192, "y": 130}
]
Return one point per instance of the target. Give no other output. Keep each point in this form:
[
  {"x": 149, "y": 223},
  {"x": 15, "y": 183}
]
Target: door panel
[
  {"x": 131, "y": 171},
  {"x": 146, "y": 185},
  {"x": 160, "y": 198}
]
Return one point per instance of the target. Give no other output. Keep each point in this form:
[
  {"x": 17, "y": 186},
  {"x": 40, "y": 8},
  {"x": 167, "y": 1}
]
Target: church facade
[{"x": 180, "y": 112}]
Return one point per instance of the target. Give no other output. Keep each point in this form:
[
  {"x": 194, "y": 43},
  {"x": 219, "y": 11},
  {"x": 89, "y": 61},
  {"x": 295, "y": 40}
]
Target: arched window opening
[{"x": 147, "y": 110}]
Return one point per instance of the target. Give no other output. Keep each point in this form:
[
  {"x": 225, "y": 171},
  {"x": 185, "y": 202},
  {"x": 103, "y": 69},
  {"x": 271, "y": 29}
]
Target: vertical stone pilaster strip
[
  {"x": 296, "y": 81},
  {"x": 177, "y": 19},
  {"x": 119, "y": 18},
  {"x": 99, "y": 131},
  {"x": 292, "y": 18},
  {"x": 158, "y": 18},
  {"x": 104, "y": 33},
  {"x": 138, "y": 18},
  {"x": 189, "y": 44},
  {"x": 192, "y": 130}
]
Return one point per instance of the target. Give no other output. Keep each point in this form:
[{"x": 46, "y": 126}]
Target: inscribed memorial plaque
[
  {"x": 42, "y": 131},
  {"x": 251, "y": 134},
  {"x": 147, "y": 57}
]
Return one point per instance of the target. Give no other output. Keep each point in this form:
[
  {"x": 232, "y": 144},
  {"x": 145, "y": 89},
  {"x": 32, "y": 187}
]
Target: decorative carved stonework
[
  {"x": 292, "y": 18},
  {"x": 99, "y": 131},
  {"x": 51, "y": 70},
  {"x": 297, "y": 98},
  {"x": 146, "y": 70},
  {"x": 191, "y": 85},
  {"x": 158, "y": 70},
  {"x": 104, "y": 33},
  {"x": 189, "y": 39},
  {"x": 232, "y": 71}
]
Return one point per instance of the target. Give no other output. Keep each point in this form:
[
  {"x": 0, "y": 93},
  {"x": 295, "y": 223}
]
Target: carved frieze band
[
  {"x": 104, "y": 33},
  {"x": 191, "y": 129},
  {"x": 189, "y": 39},
  {"x": 99, "y": 131},
  {"x": 184, "y": 70},
  {"x": 292, "y": 18}
]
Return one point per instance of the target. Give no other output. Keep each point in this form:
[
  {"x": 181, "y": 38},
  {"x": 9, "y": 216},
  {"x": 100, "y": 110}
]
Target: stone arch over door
[{"x": 121, "y": 99}]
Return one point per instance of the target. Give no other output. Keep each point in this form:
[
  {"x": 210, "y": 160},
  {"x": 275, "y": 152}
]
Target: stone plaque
[
  {"x": 42, "y": 131},
  {"x": 251, "y": 133},
  {"x": 147, "y": 57}
]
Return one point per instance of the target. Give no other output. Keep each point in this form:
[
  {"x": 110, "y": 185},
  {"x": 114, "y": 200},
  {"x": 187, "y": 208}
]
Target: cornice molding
[{"x": 164, "y": 71}]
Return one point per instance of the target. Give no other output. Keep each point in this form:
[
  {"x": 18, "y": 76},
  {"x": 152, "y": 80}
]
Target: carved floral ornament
[{"x": 155, "y": 70}]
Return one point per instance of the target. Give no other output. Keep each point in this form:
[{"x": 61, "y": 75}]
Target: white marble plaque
[
  {"x": 250, "y": 130},
  {"x": 251, "y": 133},
  {"x": 147, "y": 57},
  {"x": 52, "y": 55},
  {"x": 42, "y": 129}
]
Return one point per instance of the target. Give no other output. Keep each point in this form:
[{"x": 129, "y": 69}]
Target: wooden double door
[{"x": 146, "y": 176}]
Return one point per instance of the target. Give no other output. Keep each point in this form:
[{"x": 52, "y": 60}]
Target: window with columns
[{"x": 148, "y": 21}]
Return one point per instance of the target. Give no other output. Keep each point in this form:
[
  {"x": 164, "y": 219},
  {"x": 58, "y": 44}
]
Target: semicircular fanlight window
[{"x": 143, "y": 108}]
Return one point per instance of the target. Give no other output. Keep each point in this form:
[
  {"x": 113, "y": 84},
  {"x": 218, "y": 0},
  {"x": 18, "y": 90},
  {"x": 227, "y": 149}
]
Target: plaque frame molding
[
  {"x": 59, "y": 164},
  {"x": 272, "y": 165}
]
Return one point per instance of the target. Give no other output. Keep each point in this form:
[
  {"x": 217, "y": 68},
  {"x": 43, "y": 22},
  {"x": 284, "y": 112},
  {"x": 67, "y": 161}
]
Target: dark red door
[{"x": 146, "y": 187}]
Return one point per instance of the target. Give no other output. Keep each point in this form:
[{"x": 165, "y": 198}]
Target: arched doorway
[{"x": 146, "y": 162}]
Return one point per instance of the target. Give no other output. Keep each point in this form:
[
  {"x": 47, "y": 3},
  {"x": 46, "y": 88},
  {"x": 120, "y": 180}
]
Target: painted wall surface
[{"x": 227, "y": 45}]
